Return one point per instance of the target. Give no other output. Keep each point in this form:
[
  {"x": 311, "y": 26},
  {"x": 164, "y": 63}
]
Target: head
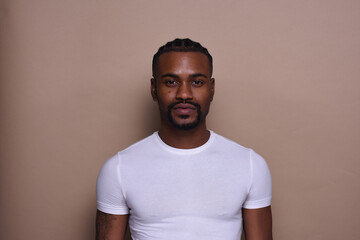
[{"x": 182, "y": 83}]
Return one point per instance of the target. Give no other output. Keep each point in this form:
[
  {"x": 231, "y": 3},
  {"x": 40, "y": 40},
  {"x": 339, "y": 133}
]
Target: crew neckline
[{"x": 181, "y": 150}]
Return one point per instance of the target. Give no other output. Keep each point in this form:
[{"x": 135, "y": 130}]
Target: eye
[
  {"x": 197, "y": 83},
  {"x": 170, "y": 82}
]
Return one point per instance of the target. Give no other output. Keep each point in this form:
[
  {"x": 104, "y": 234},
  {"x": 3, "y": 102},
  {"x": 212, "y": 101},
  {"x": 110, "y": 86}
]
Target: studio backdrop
[{"x": 75, "y": 89}]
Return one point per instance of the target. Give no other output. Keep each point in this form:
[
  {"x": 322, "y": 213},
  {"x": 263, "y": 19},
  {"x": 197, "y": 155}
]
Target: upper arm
[
  {"x": 257, "y": 223},
  {"x": 260, "y": 186},
  {"x": 109, "y": 192},
  {"x": 110, "y": 198},
  {"x": 110, "y": 227}
]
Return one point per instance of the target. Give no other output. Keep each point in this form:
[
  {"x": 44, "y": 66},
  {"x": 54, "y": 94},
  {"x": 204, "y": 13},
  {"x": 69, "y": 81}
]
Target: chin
[
  {"x": 185, "y": 122},
  {"x": 185, "y": 125}
]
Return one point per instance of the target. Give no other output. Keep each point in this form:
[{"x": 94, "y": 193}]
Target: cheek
[
  {"x": 203, "y": 97},
  {"x": 164, "y": 99},
  {"x": 166, "y": 95},
  {"x": 205, "y": 102}
]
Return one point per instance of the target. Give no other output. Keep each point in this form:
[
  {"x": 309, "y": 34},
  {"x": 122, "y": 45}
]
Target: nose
[{"x": 184, "y": 92}]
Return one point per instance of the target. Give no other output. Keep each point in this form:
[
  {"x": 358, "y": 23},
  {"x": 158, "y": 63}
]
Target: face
[{"x": 183, "y": 88}]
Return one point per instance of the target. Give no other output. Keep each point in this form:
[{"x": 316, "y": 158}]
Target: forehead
[{"x": 179, "y": 62}]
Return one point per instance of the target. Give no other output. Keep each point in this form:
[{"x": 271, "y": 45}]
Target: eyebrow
[
  {"x": 169, "y": 75},
  {"x": 176, "y": 76},
  {"x": 198, "y": 75}
]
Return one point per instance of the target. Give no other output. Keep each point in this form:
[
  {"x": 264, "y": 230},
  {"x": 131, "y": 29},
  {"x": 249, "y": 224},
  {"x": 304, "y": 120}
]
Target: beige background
[{"x": 75, "y": 90}]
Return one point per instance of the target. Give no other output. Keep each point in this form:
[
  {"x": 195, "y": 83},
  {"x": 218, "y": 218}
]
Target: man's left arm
[{"x": 257, "y": 223}]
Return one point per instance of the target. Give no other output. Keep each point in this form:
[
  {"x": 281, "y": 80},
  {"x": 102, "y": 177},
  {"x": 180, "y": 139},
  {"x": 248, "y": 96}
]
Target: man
[{"x": 184, "y": 182}]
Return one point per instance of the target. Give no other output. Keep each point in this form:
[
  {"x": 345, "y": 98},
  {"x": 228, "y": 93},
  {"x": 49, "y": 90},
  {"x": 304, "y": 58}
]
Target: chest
[{"x": 201, "y": 188}]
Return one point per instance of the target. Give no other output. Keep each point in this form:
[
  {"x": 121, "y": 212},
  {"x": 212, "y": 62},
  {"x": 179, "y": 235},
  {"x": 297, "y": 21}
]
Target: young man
[{"x": 184, "y": 182}]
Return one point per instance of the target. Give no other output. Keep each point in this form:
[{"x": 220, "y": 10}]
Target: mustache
[{"x": 172, "y": 105}]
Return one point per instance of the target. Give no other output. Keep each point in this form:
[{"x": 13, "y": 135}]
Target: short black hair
[{"x": 181, "y": 45}]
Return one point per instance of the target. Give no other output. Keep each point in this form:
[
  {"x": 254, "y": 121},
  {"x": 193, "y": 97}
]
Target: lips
[{"x": 184, "y": 108}]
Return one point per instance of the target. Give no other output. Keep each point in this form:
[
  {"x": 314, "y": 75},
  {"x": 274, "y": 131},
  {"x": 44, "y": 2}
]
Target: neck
[{"x": 184, "y": 139}]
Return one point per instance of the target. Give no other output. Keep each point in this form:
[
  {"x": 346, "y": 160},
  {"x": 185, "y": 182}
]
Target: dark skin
[
  {"x": 184, "y": 77},
  {"x": 110, "y": 226},
  {"x": 257, "y": 223}
]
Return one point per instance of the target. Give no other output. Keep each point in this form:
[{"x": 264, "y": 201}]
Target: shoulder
[
  {"x": 141, "y": 145},
  {"x": 109, "y": 168},
  {"x": 114, "y": 161},
  {"x": 228, "y": 144}
]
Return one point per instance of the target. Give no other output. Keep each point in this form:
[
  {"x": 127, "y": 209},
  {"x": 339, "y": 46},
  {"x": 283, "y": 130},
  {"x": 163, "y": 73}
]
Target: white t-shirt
[{"x": 178, "y": 194}]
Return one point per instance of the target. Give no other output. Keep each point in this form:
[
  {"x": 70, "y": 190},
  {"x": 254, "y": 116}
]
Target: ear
[
  {"x": 212, "y": 88},
  {"x": 153, "y": 89}
]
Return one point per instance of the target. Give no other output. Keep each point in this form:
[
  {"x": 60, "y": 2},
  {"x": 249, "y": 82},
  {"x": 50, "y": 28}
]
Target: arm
[
  {"x": 110, "y": 227},
  {"x": 257, "y": 223}
]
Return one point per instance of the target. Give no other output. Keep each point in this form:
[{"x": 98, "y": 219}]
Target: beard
[{"x": 186, "y": 126}]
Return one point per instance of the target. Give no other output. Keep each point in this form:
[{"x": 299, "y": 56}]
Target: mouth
[
  {"x": 184, "y": 108},
  {"x": 184, "y": 115}
]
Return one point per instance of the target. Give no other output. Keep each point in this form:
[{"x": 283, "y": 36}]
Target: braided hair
[{"x": 181, "y": 45}]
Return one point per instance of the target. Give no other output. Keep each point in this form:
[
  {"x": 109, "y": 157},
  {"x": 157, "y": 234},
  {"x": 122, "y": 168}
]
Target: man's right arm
[{"x": 110, "y": 227}]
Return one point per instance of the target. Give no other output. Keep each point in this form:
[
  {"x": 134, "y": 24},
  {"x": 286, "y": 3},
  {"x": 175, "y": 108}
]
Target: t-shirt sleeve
[
  {"x": 259, "y": 195},
  {"x": 109, "y": 192}
]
